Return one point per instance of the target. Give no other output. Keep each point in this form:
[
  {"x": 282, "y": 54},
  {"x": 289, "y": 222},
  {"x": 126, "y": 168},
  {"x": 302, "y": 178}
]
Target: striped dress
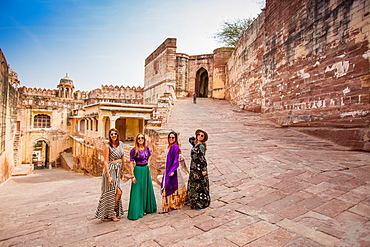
[{"x": 107, "y": 207}]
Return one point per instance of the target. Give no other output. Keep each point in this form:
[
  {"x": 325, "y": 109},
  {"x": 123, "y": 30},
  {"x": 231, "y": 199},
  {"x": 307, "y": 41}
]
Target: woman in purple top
[
  {"x": 173, "y": 194},
  {"x": 142, "y": 199}
]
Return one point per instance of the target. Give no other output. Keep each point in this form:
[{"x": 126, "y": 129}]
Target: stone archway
[
  {"x": 41, "y": 153},
  {"x": 201, "y": 83}
]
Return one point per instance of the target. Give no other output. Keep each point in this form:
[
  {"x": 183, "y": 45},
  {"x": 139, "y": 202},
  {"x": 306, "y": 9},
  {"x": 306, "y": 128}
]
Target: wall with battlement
[
  {"x": 117, "y": 94},
  {"x": 306, "y": 63}
]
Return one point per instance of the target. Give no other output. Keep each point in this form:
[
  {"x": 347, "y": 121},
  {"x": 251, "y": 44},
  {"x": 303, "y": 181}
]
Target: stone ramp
[
  {"x": 22, "y": 170},
  {"x": 269, "y": 187},
  {"x": 67, "y": 160}
]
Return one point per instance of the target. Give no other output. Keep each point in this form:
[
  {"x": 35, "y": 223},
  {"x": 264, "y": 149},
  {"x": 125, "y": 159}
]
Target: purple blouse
[{"x": 142, "y": 156}]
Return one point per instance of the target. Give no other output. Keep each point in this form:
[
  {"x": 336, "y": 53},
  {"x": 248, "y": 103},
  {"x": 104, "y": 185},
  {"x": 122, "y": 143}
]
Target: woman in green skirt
[{"x": 142, "y": 199}]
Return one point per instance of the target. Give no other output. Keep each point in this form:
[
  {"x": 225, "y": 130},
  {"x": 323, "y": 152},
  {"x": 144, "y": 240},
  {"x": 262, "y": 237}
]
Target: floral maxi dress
[{"x": 198, "y": 185}]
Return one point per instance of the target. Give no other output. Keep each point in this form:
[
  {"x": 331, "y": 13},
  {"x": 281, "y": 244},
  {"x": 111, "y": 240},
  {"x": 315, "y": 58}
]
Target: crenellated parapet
[
  {"x": 119, "y": 88},
  {"x": 116, "y": 94},
  {"x": 37, "y": 91},
  {"x": 81, "y": 95}
]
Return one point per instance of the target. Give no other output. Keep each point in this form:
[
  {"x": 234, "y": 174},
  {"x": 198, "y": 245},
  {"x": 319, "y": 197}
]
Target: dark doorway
[
  {"x": 40, "y": 154},
  {"x": 121, "y": 127},
  {"x": 201, "y": 83}
]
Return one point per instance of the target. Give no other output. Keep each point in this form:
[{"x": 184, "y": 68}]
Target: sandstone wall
[
  {"x": 182, "y": 75},
  {"x": 33, "y": 102},
  {"x": 306, "y": 63},
  {"x": 244, "y": 69},
  {"x": 218, "y": 76},
  {"x": 160, "y": 72},
  {"x": 158, "y": 144},
  {"x": 117, "y": 94},
  {"x": 8, "y": 118},
  {"x": 196, "y": 63},
  {"x": 87, "y": 158},
  {"x": 169, "y": 74}
]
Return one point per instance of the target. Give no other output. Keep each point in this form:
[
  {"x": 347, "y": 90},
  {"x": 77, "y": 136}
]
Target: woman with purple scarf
[{"x": 172, "y": 187}]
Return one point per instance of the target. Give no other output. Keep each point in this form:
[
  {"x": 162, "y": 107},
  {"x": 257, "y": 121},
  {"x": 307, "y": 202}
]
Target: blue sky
[{"x": 105, "y": 42}]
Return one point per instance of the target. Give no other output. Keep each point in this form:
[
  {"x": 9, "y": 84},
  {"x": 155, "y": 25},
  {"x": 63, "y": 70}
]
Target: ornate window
[{"x": 41, "y": 121}]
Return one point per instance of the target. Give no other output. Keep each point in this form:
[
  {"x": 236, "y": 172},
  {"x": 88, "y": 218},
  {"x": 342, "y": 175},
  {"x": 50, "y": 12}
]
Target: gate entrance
[
  {"x": 40, "y": 154},
  {"x": 201, "y": 83}
]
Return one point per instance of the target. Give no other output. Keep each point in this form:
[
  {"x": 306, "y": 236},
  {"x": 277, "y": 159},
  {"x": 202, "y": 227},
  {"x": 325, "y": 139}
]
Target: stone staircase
[
  {"x": 19, "y": 169},
  {"x": 66, "y": 160},
  {"x": 16, "y": 147}
]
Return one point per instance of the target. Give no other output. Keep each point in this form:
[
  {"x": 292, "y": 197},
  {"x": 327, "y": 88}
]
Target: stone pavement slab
[{"x": 270, "y": 186}]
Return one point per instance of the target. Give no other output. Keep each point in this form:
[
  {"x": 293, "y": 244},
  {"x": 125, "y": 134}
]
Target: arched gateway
[
  {"x": 201, "y": 83},
  {"x": 40, "y": 153}
]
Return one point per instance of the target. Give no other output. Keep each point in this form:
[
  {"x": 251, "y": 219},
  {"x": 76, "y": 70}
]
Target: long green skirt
[{"x": 142, "y": 198}]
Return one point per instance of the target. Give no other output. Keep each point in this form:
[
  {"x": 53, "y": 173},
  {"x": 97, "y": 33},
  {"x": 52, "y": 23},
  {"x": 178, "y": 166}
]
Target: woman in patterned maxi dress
[
  {"x": 198, "y": 185},
  {"x": 110, "y": 203}
]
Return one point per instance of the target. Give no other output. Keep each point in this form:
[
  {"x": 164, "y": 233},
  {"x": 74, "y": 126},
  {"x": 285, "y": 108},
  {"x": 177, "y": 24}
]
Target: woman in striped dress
[{"x": 110, "y": 203}]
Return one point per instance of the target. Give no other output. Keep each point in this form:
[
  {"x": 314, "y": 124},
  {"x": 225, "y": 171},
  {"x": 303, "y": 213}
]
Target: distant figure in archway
[{"x": 194, "y": 98}]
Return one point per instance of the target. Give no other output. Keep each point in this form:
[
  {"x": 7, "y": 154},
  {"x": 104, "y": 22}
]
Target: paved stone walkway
[{"x": 269, "y": 186}]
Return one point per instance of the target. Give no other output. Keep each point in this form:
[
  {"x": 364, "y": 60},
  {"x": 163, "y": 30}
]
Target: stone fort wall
[
  {"x": 305, "y": 63},
  {"x": 169, "y": 74},
  {"x": 160, "y": 72},
  {"x": 8, "y": 119}
]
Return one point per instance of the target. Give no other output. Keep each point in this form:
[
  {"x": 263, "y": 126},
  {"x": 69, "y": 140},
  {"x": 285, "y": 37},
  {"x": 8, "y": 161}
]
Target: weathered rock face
[{"x": 306, "y": 63}]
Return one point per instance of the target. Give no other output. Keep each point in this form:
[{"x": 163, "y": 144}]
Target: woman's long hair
[
  {"x": 204, "y": 143},
  {"x": 176, "y": 138},
  {"x": 137, "y": 146},
  {"x": 111, "y": 142}
]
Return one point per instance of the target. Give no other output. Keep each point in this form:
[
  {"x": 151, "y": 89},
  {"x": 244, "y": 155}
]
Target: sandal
[{"x": 115, "y": 218}]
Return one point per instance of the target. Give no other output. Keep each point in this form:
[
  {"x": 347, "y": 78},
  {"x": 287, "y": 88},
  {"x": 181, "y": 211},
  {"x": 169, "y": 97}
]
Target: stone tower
[{"x": 66, "y": 87}]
